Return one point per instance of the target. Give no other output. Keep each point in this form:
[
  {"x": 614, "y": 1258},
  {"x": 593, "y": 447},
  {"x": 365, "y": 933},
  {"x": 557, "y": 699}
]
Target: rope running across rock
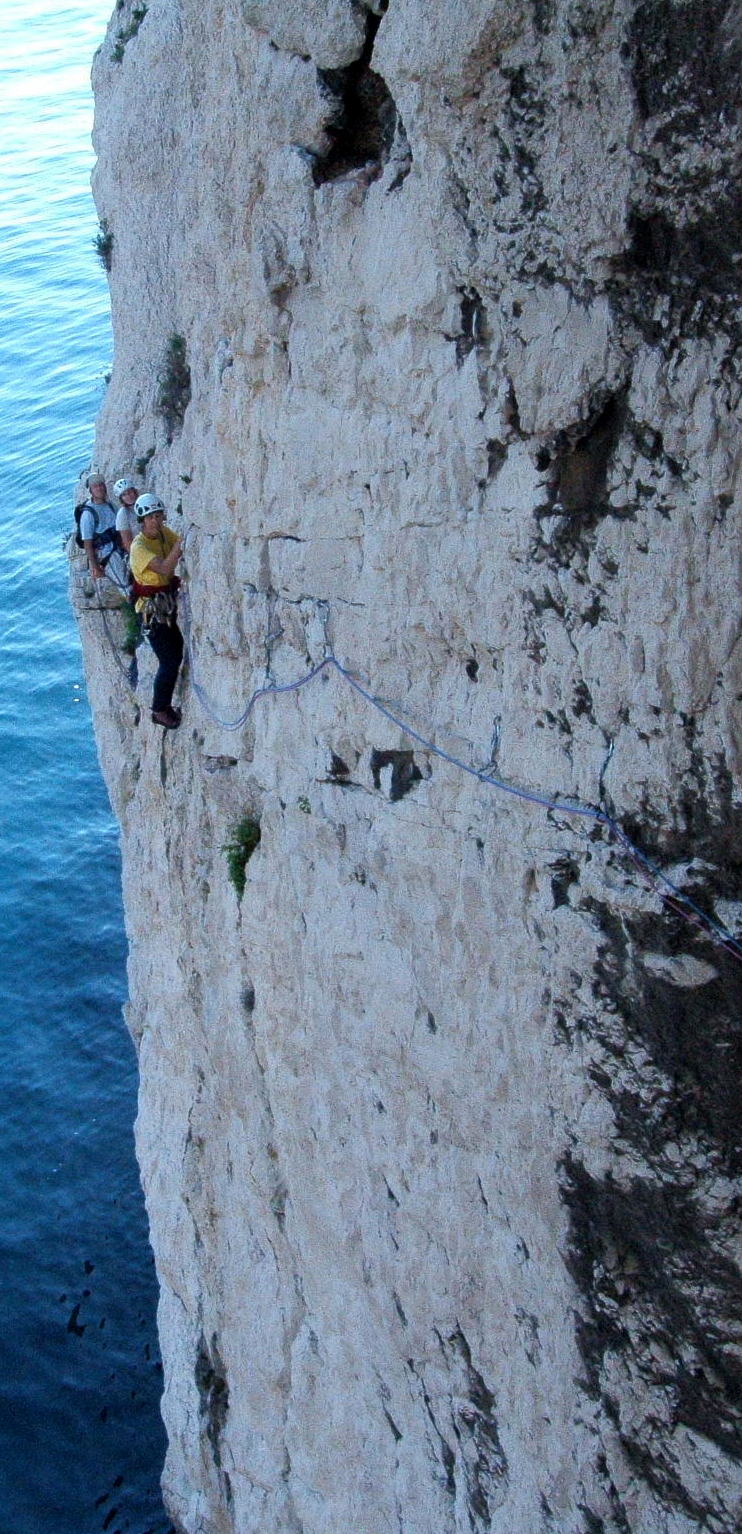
[{"x": 682, "y": 903}]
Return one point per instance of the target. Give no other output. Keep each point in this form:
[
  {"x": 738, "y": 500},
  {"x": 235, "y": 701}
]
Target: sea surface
[{"x": 81, "y": 1442}]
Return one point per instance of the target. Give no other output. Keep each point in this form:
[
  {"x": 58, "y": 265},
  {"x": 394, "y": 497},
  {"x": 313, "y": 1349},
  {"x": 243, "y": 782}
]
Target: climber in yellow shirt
[{"x": 153, "y": 557}]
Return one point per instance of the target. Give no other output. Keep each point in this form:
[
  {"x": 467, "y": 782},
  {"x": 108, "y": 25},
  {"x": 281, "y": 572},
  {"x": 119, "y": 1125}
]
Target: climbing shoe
[{"x": 169, "y": 718}]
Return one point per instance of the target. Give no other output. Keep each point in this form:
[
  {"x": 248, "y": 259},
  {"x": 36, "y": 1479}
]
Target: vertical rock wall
[{"x": 438, "y": 1122}]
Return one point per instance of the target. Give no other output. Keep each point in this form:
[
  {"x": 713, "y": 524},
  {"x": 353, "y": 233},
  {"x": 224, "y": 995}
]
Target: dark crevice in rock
[
  {"x": 405, "y": 772},
  {"x": 473, "y": 324},
  {"x": 395, "y": 1430},
  {"x": 213, "y": 1391},
  {"x": 496, "y": 455},
  {"x": 363, "y": 122},
  {"x": 481, "y": 1453},
  {"x": 593, "y": 1524},
  {"x": 543, "y": 15},
  {"x": 448, "y": 1458},
  {"x": 565, "y": 873},
  {"x": 582, "y": 458}
]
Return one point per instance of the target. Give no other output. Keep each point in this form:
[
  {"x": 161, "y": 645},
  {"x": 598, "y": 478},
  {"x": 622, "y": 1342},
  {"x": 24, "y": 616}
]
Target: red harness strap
[{"x": 151, "y": 591}]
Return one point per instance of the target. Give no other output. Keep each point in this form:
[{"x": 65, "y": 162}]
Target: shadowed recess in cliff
[
  {"x": 683, "y": 1011},
  {"x": 685, "y": 226},
  {"x": 663, "y": 1306},
  {"x": 686, "y": 56},
  {"x": 363, "y": 120},
  {"x": 652, "y": 1256}
]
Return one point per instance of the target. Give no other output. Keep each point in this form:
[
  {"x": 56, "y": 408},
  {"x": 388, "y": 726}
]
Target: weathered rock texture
[{"x": 439, "y": 1123}]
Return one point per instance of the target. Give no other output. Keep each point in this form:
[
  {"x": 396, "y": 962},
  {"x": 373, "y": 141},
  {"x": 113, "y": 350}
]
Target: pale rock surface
[{"x": 438, "y": 1124}]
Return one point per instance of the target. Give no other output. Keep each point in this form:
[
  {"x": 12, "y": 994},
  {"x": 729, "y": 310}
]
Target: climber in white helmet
[
  {"x": 126, "y": 522},
  {"x": 153, "y": 557}
]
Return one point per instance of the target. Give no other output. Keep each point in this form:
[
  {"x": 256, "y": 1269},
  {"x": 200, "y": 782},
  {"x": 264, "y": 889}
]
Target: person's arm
[
  {"x": 166, "y": 566},
  {"x": 123, "y": 528},
  {"x": 96, "y": 569}
]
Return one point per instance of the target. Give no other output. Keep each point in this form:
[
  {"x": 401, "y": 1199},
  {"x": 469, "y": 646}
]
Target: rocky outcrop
[{"x": 425, "y": 327}]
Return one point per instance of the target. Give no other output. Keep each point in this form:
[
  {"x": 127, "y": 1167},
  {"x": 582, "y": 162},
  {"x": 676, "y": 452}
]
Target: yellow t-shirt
[{"x": 142, "y": 551}]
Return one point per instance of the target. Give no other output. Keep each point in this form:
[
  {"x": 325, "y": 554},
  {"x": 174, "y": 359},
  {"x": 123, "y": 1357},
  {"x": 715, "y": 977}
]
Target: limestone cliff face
[{"x": 438, "y": 1122}]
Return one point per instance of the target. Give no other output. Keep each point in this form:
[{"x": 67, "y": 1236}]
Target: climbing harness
[{"x": 160, "y": 606}]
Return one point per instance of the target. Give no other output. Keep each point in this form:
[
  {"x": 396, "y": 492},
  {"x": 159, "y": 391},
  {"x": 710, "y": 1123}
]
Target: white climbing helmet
[
  {"x": 122, "y": 485},
  {"x": 147, "y": 506}
]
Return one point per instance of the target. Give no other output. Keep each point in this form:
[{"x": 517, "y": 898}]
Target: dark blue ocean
[{"x": 81, "y": 1443}]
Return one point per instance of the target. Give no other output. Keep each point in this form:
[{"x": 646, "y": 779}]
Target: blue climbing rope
[{"x": 681, "y": 902}]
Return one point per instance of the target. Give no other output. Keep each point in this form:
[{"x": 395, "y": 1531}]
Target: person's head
[
  {"x": 150, "y": 512},
  {"x": 96, "y": 485},
  {"x": 126, "y": 491}
]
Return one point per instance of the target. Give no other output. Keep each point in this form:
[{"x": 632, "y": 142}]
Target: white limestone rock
[{"x": 438, "y": 1119}]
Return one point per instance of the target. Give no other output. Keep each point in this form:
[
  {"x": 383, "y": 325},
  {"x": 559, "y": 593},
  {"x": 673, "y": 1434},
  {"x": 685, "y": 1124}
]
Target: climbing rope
[{"x": 683, "y": 904}]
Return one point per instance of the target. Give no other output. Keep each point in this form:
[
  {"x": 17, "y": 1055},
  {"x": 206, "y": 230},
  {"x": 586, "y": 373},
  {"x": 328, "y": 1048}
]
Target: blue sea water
[{"x": 81, "y": 1443}]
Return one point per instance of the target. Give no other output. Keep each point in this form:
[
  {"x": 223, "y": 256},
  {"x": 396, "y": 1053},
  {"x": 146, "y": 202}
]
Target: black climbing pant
[{"x": 167, "y": 642}]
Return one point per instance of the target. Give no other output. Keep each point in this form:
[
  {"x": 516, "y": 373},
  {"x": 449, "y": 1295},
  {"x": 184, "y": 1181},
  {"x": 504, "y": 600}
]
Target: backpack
[
  {"x": 99, "y": 540},
  {"x": 78, "y": 513}
]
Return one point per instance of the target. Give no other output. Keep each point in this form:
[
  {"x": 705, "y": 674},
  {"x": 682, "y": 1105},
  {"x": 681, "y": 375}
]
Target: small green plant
[
  {"x": 125, "y": 35},
  {"x": 142, "y": 464},
  {"x": 303, "y": 804},
  {"x": 103, "y": 245},
  {"x": 238, "y": 851},
  {"x": 174, "y": 393},
  {"x": 186, "y": 478},
  {"x": 132, "y": 631}
]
